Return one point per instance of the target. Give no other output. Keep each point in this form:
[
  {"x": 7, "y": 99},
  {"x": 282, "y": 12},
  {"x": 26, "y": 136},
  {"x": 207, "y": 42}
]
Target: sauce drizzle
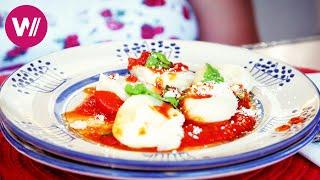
[
  {"x": 163, "y": 109},
  {"x": 291, "y": 122}
]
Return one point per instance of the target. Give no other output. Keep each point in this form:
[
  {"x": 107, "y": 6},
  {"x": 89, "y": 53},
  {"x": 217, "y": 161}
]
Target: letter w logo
[{"x": 25, "y": 25}]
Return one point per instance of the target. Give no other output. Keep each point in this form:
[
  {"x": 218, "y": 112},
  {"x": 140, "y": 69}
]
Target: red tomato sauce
[
  {"x": 178, "y": 67},
  {"x": 108, "y": 103},
  {"x": 104, "y": 103},
  {"x": 218, "y": 132},
  {"x": 163, "y": 109},
  {"x": 292, "y": 121},
  {"x": 139, "y": 61},
  {"x": 296, "y": 120},
  {"x": 245, "y": 102},
  {"x": 142, "y": 60},
  {"x": 198, "y": 96},
  {"x": 132, "y": 78},
  {"x": 282, "y": 128}
]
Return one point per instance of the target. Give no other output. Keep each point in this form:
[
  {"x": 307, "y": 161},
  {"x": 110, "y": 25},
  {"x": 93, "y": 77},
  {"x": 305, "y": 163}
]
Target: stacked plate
[{"x": 34, "y": 98}]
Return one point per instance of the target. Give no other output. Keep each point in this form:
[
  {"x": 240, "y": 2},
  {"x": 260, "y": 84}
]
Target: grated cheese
[
  {"x": 172, "y": 92},
  {"x": 114, "y": 76},
  {"x": 78, "y": 124},
  {"x": 99, "y": 117},
  {"x": 248, "y": 112},
  {"x": 196, "y": 130}
]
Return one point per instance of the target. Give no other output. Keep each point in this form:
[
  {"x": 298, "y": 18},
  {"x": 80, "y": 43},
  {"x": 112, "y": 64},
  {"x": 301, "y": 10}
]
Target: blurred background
[
  {"x": 287, "y": 19},
  {"x": 291, "y": 31},
  {"x": 235, "y": 22}
]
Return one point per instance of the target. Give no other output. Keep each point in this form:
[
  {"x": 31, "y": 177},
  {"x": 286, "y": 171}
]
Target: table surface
[{"x": 14, "y": 165}]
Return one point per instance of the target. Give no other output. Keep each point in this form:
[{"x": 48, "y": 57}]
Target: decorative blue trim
[
  {"x": 103, "y": 172},
  {"x": 316, "y": 139},
  {"x": 134, "y": 49},
  {"x": 172, "y": 156},
  {"x": 269, "y": 73},
  {"x": 59, "y": 133},
  {"x": 37, "y": 76}
]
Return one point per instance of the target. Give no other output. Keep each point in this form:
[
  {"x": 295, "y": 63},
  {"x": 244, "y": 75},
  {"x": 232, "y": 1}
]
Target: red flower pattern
[
  {"x": 158, "y": 29},
  {"x": 174, "y": 37},
  {"x": 106, "y": 13},
  {"x": 71, "y": 41},
  {"x": 113, "y": 20},
  {"x": 148, "y": 32},
  {"x": 114, "y": 25},
  {"x": 153, "y": 3},
  {"x": 186, "y": 12},
  {"x": 15, "y": 52}
]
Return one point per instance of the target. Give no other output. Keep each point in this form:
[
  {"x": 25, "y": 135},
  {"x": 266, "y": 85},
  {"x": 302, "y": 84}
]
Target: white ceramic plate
[{"x": 34, "y": 97}]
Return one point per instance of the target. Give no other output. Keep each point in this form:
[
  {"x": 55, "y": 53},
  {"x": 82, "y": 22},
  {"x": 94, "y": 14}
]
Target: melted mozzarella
[
  {"x": 232, "y": 74},
  {"x": 180, "y": 80},
  {"x": 222, "y": 104},
  {"x": 139, "y": 125},
  {"x": 199, "y": 76},
  {"x": 145, "y": 74},
  {"x": 78, "y": 124},
  {"x": 113, "y": 83},
  {"x": 97, "y": 121}
]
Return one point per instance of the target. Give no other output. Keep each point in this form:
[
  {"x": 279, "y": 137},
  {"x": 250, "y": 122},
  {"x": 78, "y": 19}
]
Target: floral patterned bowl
[{"x": 34, "y": 98}]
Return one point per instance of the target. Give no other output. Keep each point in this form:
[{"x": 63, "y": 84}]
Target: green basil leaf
[
  {"x": 152, "y": 62},
  {"x": 135, "y": 89},
  {"x": 163, "y": 58},
  {"x": 173, "y": 101},
  {"x": 153, "y": 94},
  {"x": 141, "y": 89},
  {"x": 212, "y": 74},
  {"x": 157, "y": 60}
]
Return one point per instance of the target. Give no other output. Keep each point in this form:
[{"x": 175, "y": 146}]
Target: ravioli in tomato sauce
[{"x": 163, "y": 106}]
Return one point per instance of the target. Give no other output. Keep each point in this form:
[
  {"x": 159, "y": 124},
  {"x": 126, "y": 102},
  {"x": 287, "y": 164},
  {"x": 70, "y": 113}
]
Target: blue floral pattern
[
  {"x": 172, "y": 156},
  {"x": 269, "y": 73},
  {"x": 38, "y": 76},
  {"x": 171, "y": 50}
]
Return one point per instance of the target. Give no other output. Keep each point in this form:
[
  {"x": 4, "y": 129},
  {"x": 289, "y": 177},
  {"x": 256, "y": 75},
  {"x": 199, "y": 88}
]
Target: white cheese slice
[
  {"x": 113, "y": 83},
  {"x": 139, "y": 125},
  {"x": 222, "y": 104}
]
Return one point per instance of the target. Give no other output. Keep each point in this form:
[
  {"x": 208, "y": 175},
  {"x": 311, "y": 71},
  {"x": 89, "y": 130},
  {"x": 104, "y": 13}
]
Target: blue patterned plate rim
[{"x": 103, "y": 172}]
